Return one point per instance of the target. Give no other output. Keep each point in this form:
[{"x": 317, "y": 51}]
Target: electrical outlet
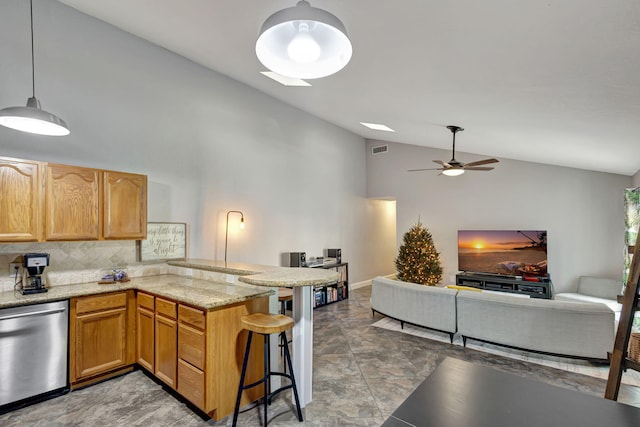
[{"x": 14, "y": 267}]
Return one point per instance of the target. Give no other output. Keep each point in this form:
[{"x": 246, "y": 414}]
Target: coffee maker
[{"x": 34, "y": 265}]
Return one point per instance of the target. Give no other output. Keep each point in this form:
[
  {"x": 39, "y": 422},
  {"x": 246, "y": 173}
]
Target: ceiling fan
[{"x": 454, "y": 167}]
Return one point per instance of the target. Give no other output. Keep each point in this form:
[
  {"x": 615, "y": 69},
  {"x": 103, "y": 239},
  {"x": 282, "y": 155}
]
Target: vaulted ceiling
[{"x": 554, "y": 81}]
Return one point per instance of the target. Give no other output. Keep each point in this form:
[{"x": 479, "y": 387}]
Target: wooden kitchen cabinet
[
  {"x": 56, "y": 202},
  {"x": 192, "y": 354},
  {"x": 199, "y": 352},
  {"x": 125, "y": 205},
  {"x": 101, "y": 337},
  {"x": 166, "y": 341},
  {"x": 21, "y": 201},
  {"x": 72, "y": 203},
  {"x": 145, "y": 331}
]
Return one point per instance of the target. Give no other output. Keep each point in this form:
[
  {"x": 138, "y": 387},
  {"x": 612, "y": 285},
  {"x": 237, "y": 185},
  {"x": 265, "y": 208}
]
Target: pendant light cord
[{"x": 33, "y": 67}]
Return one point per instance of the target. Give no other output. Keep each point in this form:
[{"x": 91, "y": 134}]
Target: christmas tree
[{"x": 418, "y": 261}]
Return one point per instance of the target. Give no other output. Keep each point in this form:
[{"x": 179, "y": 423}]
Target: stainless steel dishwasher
[{"x": 33, "y": 353}]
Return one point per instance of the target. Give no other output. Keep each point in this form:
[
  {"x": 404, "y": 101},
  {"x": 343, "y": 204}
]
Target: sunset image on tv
[{"x": 507, "y": 252}]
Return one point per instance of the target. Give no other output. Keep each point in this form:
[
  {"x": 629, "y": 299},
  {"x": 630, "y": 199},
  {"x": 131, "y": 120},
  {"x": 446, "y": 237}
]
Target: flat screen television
[{"x": 503, "y": 252}]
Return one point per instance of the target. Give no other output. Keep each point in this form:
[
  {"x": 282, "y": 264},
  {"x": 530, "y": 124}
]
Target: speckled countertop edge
[
  {"x": 235, "y": 268},
  {"x": 197, "y": 292},
  {"x": 292, "y": 277}
]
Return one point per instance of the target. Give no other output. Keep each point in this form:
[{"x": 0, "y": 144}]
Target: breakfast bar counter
[
  {"x": 302, "y": 280},
  {"x": 199, "y": 293}
]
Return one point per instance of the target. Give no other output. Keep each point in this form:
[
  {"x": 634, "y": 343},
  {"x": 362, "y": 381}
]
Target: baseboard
[{"x": 368, "y": 282}]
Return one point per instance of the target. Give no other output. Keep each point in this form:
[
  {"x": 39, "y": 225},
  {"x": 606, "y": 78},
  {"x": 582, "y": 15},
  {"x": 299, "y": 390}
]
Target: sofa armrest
[
  {"x": 599, "y": 287},
  {"x": 428, "y": 306}
]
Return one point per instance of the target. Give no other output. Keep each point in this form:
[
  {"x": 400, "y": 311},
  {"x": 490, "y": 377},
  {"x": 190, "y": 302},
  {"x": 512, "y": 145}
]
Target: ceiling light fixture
[
  {"x": 303, "y": 42},
  {"x": 453, "y": 171},
  {"x": 32, "y": 118}
]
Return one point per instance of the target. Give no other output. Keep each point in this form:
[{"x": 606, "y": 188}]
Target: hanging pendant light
[
  {"x": 33, "y": 118},
  {"x": 303, "y": 42}
]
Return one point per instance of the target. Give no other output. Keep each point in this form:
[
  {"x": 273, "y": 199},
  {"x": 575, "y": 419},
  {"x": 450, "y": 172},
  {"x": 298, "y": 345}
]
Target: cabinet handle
[{"x": 34, "y": 313}]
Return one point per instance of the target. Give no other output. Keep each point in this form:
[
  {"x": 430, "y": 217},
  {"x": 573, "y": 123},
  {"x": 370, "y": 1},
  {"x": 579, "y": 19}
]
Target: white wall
[
  {"x": 581, "y": 210},
  {"x": 207, "y": 143},
  {"x": 636, "y": 180}
]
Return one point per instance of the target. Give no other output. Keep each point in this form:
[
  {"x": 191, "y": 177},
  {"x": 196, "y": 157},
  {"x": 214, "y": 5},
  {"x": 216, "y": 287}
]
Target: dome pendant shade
[
  {"x": 33, "y": 119},
  {"x": 303, "y": 42}
]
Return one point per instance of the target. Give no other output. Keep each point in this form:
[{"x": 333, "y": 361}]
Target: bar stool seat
[
  {"x": 284, "y": 295},
  {"x": 266, "y": 324}
]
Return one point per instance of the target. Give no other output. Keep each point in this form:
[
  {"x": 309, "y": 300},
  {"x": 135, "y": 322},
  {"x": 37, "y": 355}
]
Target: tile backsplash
[
  {"x": 64, "y": 256},
  {"x": 79, "y": 262}
]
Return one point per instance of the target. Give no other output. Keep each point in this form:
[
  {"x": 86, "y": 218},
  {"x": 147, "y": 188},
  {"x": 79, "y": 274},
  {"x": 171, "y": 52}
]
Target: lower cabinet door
[
  {"x": 166, "y": 338},
  {"x": 100, "y": 342},
  {"x": 191, "y": 383},
  {"x": 145, "y": 338}
]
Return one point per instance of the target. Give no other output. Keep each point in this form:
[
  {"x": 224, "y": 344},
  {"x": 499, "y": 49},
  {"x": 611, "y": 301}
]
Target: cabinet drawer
[
  {"x": 192, "y": 316},
  {"x": 101, "y": 302},
  {"x": 191, "y": 383},
  {"x": 146, "y": 301},
  {"x": 191, "y": 345},
  {"x": 166, "y": 308}
]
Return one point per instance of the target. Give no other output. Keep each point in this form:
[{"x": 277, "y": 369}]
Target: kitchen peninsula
[
  {"x": 302, "y": 280},
  {"x": 183, "y": 326}
]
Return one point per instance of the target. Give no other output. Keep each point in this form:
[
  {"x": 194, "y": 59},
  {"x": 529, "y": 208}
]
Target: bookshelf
[
  {"x": 619, "y": 358},
  {"x": 324, "y": 295}
]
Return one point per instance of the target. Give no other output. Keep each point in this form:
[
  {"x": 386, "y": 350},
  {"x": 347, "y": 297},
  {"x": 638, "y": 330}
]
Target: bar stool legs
[{"x": 266, "y": 378}]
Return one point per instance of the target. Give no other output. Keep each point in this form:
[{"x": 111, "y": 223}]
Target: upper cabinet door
[
  {"x": 125, "y": 206},
  {"x": 72, "y": 203},
  {"x": 20, "y": 200}
]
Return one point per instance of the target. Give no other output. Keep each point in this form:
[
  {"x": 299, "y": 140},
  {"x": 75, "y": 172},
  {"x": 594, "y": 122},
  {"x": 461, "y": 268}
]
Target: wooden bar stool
[
  {"x": 284, "y": 295},
  {"x": 266, "y": 324}
]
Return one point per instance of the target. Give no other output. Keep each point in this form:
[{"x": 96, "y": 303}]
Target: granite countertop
[
  {"x": 292, "y": 277},
  {"x": 235, "y": 268},
  {"x": 199, "y": 293}
]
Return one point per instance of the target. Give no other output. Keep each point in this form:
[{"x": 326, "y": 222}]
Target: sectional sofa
[{"x": 565, "y": 328}]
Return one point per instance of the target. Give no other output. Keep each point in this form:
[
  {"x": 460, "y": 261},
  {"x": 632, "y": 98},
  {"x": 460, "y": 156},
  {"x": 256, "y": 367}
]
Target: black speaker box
[
  {"x": 335, "y": 253},
  {"x": 297, "y": 259}
]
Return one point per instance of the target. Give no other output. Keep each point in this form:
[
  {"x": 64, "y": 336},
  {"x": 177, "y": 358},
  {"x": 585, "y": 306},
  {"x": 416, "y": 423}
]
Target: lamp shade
[
  {"x": 33, "y": 119},
  {"x": 303, "y": 42}
]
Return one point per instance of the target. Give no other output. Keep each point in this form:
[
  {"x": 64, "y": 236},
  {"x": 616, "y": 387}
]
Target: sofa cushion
[{"x": 579, "y": 329}]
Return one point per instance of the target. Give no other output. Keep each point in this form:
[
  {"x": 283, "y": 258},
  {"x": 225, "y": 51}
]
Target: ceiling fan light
[
  {"x": 303, "y": 42},
  {"x": 453, "y": 172},
  {"x": 33, "y": 119}
]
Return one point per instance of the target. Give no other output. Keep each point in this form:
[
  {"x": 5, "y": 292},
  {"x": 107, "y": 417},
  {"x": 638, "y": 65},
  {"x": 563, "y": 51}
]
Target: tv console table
[{"x": 506, "y": 284}]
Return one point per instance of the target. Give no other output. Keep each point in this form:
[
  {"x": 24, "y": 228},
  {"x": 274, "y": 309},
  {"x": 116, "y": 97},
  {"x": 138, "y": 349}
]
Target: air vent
[{"x": 380, "y": 149}]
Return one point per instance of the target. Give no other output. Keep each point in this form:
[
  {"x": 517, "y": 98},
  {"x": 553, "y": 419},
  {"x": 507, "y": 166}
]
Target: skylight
[
  {"x": 376, "y": 126},
  {"x": 284, "y": 80}
]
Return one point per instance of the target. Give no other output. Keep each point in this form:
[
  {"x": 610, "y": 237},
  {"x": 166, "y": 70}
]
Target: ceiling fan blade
[
  {"x": 443, "y": 164},
  {"x": 482, "y": 162},
  {"x": 427, "y": 169},
  {"x": 477, "y": 168}
]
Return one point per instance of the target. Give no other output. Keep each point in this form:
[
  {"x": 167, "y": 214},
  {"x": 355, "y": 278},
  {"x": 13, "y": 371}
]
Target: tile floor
[{"x": 361, "y": 374}]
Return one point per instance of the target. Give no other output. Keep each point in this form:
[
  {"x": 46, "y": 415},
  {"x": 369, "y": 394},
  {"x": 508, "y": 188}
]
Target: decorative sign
[{"x": 165, "y": 240}]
